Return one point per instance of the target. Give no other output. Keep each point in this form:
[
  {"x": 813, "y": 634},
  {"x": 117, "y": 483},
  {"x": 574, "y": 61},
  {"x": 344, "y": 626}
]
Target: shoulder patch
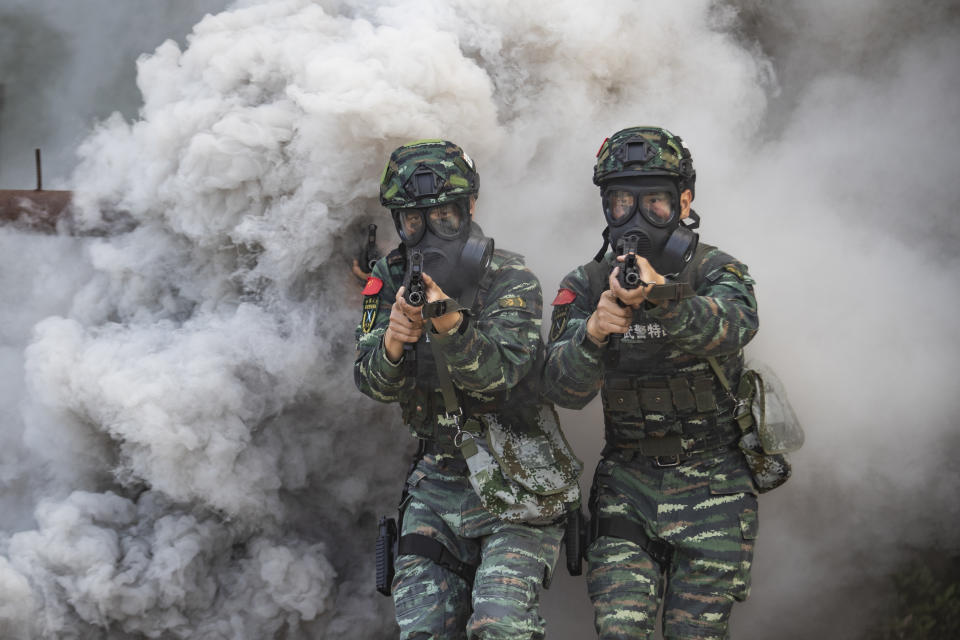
[
  {"x": 370, "y": 306},
  {"x": 564, "y": 296},
  {"x": 373, "y": 286},
  {"x": 558, "y": 323},
  {"x": 735, "y": 271},
  {"x": 512, "y": 301}
]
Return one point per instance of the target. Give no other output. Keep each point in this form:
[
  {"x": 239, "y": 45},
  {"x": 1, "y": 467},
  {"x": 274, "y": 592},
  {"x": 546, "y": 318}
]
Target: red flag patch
[
  {"x": 373, "y": 286},
  {"x": 564, "y": 296}
]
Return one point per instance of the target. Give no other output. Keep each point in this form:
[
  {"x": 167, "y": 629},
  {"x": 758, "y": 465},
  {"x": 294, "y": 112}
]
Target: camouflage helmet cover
[
  {"x": 427, "y": 173},
  {"x": 644, "y": 151}
]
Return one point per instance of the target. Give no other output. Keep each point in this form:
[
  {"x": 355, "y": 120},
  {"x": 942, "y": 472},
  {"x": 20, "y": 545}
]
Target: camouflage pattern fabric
[
  {"x": 514, "y": 562},
  {"x": 769, "y": 471},
  {"x": 672, "y": 339},
  {"x": 663, "y": 387},
  {"x": 523, "y": 474},
  {"x": 455, "y": 174},
  {"x": 664, "y": 153},
  {"x": 492, "y": 363},
  {"x": 707, "y": 511}
]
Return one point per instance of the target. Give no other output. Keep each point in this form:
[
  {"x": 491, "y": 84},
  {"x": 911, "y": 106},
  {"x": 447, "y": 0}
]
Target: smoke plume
[{"x": 183, "y": 451}]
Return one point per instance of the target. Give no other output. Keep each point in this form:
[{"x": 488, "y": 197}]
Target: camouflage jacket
[
  {"x": 492, "y": 358},
  {"x": 660, "y": 382}
]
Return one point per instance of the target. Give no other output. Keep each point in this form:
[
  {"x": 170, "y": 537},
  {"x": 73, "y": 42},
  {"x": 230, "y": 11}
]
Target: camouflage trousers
[
  {"x": 706, "y": 509},
  {"x": 513, "y": 562}
]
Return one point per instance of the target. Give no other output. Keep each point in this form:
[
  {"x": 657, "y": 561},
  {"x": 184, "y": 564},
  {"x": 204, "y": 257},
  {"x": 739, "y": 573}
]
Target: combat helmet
[
  {"x": 427, "y": 173},
  {"x": 645, "y": 151}
]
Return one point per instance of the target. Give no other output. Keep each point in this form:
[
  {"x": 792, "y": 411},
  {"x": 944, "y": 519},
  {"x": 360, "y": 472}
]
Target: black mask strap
[
  {"x": 469, "y": 297},
  {"x": 603, "y": 249}
]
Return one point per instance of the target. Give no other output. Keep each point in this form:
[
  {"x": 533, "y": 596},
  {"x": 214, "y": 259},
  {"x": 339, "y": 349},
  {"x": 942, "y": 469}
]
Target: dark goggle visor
[
  {"x": 656, "y": 203},
  {"x": 445, "y": 220}
]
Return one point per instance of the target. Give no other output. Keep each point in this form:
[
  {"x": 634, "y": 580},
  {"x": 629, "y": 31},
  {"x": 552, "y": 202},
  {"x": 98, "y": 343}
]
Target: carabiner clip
[
  {"x": 741, "y": 409},
  {"x": 458, "y": 438},
  {"x": 457, "y": 418}
]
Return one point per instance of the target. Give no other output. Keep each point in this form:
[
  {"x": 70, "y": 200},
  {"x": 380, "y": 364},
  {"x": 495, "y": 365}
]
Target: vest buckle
[{"x": 667, "y": 461}]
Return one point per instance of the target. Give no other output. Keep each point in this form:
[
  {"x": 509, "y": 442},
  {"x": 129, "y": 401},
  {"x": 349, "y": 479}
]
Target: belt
[
  {"x": 435, "y": 447},
  {"x": 440, "y": 429},
  {"x": 668, "y": 451}
]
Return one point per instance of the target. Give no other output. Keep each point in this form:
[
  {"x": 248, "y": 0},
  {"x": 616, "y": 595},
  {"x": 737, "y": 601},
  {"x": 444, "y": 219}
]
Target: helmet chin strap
[{"x": 606, "y": 244}]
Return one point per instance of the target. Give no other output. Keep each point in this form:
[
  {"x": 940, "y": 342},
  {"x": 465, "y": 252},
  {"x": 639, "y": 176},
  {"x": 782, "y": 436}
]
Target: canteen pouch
[
  {"x": 769, "y": 427},
  {"x": 768, "y": 471}
]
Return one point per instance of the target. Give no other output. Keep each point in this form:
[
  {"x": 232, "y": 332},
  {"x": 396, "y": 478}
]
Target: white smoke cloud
[
  {"x": 855, "y": 268},
  {"x": 190, "y": 457},
  {"x": 148, "y": 568}
]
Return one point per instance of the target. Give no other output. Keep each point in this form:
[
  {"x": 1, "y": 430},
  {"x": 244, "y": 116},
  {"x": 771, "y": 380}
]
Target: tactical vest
[
  {"x": 422, "y": 407},
  {"x": 653, "y": 390}
]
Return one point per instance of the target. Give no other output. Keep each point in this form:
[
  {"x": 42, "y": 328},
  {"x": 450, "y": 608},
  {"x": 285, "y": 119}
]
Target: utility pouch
[
  {"x": 523, "y": 470},
  {"x": 768, "y": 470},
  {"x": 575, "y": 541},
  {"x": 386, "y": 554},
  {"x": 769, "y": 427},
  {"x": 521, "y": 467}
]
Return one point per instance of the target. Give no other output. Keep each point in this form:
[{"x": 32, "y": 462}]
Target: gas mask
[
  {"x": 644, "y": 217},
  {"x": 445, "y": 244}
]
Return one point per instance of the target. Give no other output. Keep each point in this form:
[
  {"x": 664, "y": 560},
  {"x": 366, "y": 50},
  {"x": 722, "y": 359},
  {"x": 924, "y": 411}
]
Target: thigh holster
[
  {"x": 618, "y": 527},
  {"x": 415, "y": 544}
]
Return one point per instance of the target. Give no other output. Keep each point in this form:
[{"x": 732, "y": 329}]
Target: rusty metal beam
[
  {"x": 36, "y": 210},
  {"x": 50, "y": 212}
]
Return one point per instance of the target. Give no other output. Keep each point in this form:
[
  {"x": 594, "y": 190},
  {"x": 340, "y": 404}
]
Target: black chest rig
[{"x": 653, "y": 391}]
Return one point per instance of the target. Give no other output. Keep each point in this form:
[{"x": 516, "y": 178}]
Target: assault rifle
[
  {"x": 369, "y": 253},
  {"x": 414, "y": 292},
  {"x": 629, "y": 276}
]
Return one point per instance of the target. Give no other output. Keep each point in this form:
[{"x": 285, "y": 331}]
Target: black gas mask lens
[
  {"x": 644, "y": 218},
  {"x": 445, "y": 220},
  {"x": 450, "y": 248},
  {"x": 657, "y": 205}
]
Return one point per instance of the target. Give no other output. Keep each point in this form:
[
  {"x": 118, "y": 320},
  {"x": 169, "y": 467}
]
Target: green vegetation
[{"x": 926, "y": 605}]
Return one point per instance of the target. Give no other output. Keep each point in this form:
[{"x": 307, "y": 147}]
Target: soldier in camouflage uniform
[
  {"x": 674, "y": 510},
  {"x": 471, "y": 573}
]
